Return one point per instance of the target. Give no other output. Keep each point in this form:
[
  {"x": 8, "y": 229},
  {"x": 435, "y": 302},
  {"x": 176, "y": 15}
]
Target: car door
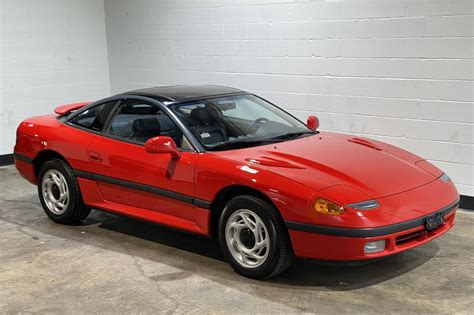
[
  {"x": 74, "y": 142},
  {"x": 128, "y": 175}
]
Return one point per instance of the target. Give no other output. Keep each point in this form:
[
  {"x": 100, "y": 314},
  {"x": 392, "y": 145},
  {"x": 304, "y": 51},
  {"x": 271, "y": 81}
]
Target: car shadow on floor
[
  {"x": 304, "y": 273},
  {"x": 197, "y": 255}
]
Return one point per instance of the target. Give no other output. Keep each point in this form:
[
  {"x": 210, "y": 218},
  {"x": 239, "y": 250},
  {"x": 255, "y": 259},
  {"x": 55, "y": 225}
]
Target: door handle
[{"x": 95, "y": 157}]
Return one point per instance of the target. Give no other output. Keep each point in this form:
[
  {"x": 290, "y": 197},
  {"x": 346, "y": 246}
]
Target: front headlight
[
  {"x": 325, "y": 206},
  {"x": 445, "y": 178},
  {"x": 364, "y": 205}
]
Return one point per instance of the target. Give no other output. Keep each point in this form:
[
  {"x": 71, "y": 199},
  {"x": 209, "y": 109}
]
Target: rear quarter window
[{"x": 94, "y": 118}]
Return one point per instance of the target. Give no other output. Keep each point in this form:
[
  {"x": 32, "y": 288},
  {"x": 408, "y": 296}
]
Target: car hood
[{"x": 328, "y": 159}]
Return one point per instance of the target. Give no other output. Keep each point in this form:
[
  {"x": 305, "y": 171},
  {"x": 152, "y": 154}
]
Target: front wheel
[
  {"x": 254, "y": 239},
  {"x": 59, "y": 193}
]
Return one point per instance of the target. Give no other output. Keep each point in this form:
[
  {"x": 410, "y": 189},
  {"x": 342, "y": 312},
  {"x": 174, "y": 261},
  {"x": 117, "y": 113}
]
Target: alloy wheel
[
  {"x": 247, "y": 238},
  {"x": 55, "y": 191}
]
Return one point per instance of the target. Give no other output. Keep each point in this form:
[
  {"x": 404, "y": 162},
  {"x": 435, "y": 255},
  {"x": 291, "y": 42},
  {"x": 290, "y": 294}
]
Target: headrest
[
  {"x": 166, "y": 123},
  {"x": 149, "y": 126},
  {"x": 201, "y": 116},
  {"x": 205, "y": 115}
]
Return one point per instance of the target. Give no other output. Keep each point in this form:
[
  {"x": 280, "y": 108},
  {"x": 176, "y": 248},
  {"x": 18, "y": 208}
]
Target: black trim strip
[
  {"x": 137, "y": 186},
  {"x": 467, "y": 202},
  {"x": 202, "y": 203},
  {"x": 6, "y": 159},
  {"x": 82, "y": 174},
  {"x": 366, "y": 232},
  {"x": 23, "y": 158}
]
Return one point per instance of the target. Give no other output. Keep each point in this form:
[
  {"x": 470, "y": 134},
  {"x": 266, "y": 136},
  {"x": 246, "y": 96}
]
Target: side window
[
  {"x": 94, "y": 118},
  {"x": 138, "y": 122}
]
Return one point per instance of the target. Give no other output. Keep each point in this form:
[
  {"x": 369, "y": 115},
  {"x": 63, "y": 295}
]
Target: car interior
[
  {"x": 140, "y": 122},
  {"x": 211, "y": 126},
  {"x": 208, "y": 124},
  {"x": 134, "y": 121}
]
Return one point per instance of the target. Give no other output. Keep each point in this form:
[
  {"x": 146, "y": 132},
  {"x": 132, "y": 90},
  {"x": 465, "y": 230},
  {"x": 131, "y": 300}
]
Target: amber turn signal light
[{"x": 325, "y": 206}]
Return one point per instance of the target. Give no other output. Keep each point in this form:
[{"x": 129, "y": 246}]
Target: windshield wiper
[
  {"x": 242, "y": 144},
  {"x": 292, "y": 135},
  {"x": 253, "y": 143}
]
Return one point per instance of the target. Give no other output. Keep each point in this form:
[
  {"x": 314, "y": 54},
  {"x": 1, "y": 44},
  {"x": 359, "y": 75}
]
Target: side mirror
[
  {"x": 312, "y": 122},
  {"x": 162, "y": 144}
]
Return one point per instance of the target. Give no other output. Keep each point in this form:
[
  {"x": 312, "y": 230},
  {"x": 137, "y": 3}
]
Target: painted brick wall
[
  {"x": 399, "y": 71},
  {"x": 52, "y": 52}
]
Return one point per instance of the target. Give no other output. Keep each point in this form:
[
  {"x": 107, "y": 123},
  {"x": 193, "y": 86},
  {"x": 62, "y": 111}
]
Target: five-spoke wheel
[
  {"x": 59, "y": 193},
  {"x": 55, "y": 191}
]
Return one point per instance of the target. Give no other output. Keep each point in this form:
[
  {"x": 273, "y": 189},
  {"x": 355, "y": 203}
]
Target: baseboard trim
[
  {"x": 6, "y": 159},
  {"x": 467, "y": 202}
]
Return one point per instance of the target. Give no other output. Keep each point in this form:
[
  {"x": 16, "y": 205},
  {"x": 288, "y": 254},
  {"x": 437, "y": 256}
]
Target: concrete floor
[{"x": 112, "y": 264}]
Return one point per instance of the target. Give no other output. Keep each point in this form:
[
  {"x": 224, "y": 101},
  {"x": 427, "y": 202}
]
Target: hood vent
[
  {"x": 365, "y": 143},
  {"x": 268, "y": 161}
]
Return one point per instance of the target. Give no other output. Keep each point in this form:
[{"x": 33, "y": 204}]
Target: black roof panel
[{"x": 178, "y": 93}]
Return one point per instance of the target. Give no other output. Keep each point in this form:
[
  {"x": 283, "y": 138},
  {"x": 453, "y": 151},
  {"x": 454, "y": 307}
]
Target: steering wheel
[{"x": 256, "y": 124}]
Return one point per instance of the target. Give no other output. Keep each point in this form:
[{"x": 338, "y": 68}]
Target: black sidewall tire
[
  {"x": 248, "y": 202},
  {"x": 76, "y": 210}
]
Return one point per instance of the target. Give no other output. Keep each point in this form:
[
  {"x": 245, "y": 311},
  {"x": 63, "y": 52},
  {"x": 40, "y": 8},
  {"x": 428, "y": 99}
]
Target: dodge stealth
[{"x": 225, "y": 163}]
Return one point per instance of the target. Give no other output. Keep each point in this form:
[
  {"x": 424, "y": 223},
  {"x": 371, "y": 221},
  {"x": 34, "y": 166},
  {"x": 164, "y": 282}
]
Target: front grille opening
[{"x": 403, "y": 239}]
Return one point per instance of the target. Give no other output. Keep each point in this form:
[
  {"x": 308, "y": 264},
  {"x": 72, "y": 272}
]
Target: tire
[
  {"x": 59, "y": 193},
  {"x": 260, "y": 253}
]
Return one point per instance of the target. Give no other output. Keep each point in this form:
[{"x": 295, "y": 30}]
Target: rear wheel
[
  {"x": 254, "y": 239},
  {"x": 59, "y": 193}
]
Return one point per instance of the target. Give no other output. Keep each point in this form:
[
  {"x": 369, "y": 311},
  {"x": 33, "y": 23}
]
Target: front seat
[
  {"x": 169, "y": 128},
  {"x": 208, "y": 125},
  {"x": 144, "y": 129}
]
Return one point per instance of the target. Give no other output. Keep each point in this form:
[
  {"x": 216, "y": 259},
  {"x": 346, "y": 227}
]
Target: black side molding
[
  {"x": 146, "y": 188},
  {"x": 202, "y": 203},
  {"x": 82, "y": 174},
  {"x": 21, "y": 157},
  {"x": 367, "y": 232}
]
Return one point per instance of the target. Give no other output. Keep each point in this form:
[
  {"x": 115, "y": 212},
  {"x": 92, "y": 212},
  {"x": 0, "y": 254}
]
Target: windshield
[{"x": 238, "y": 121}]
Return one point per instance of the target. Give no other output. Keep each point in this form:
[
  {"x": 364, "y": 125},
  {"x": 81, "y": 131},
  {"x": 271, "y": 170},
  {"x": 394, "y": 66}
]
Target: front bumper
[{"x": 337, "y": 243}]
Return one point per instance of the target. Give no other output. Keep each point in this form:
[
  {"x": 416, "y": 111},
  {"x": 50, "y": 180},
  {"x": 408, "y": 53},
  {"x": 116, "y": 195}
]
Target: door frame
[{"x": 195, "y": 144}]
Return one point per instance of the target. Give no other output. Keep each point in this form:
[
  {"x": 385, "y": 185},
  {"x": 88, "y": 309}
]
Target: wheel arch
[
  {"x": 44, "y": 156},
  {"x": 226, "y": 194}
]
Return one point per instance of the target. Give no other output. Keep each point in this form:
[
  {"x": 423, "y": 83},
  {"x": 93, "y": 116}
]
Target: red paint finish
[
  {"x": 26, "y": 171},
  {"x": 329, "y": 159},
  {"x": 312, "y": 122},
  {"x": 329, "y": 247},
  {"x": 130, "y": 162},
  {"x": 64, "y": 109},
  {"x": 95, "y": 199},
  {"x": 397, "y": 208},
  {"x": 162, "y": 145},
  {"x": 291, "y": 174}
]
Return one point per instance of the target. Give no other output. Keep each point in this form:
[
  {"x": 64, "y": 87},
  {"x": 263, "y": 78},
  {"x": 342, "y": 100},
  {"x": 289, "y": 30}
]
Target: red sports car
[{"x": 218, "y": 161}]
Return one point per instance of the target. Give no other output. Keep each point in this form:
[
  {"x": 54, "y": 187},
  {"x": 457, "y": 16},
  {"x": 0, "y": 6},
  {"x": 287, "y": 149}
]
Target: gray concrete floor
[{"x": 112, "y": 264}]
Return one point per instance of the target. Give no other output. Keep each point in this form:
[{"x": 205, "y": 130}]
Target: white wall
[
  {"x": 52, "y": 52},
  {"x": 396, "y": 70},
  {"x": 400, "y": 71}
]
